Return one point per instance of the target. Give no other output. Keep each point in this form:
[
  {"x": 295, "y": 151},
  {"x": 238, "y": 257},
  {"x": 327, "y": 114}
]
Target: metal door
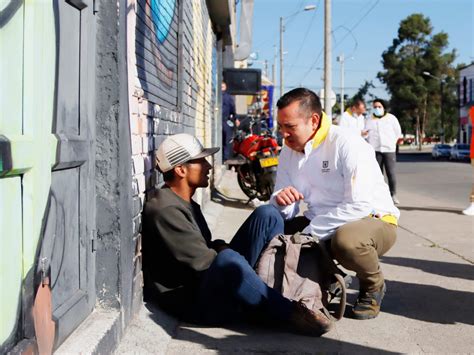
[
  {"x": 47, "y": 205},
  {"x": 69, "y": 228}
]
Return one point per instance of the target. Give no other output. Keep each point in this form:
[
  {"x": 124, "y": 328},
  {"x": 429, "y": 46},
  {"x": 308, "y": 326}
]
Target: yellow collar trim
[
  {"x": 349, "y": 111},
  {"x": 323, "y": 130}
]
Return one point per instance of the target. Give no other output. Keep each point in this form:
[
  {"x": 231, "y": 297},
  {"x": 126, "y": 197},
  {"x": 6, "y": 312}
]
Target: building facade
[{"x": 89, "y": 90}]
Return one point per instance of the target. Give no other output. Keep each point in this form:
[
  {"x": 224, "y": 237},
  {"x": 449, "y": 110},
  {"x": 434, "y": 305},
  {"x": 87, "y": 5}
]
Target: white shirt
[
  {"x": 355, "y": 123},
  {"x": 339, "y": 178},
  {"x": 383, "y": 133}
]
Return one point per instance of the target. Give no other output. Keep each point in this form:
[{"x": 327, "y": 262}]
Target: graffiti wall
[{"x": 172, "y": 82}]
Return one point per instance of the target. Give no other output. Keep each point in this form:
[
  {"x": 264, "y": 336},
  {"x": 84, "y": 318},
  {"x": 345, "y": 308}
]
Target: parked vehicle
[
  {"x": 257, "y": 158},
  {"x": 460, "y": 151},
  {"x": 441, "y": 151}
]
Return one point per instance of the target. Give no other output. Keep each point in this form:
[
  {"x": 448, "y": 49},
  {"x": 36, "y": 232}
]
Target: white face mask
[{"x": 378, "y": 111}]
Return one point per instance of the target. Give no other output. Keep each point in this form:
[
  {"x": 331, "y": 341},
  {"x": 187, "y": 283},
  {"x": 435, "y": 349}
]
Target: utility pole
[
  {"x": 282, "y": 29},
  {"x": 327, "y": 58},
  {"x": 274, "y": 66},
  {"x": 441, "y": 91},
  {"x": 281, "y": 56},
  {"x": 441, "y": 97},
  {"x": 341, "y": 60}
]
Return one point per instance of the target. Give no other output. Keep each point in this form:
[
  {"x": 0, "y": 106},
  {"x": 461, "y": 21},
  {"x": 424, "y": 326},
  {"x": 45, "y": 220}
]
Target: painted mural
[
  {"x": 157, "y": 50},
  {"x": 172, "y": 78}
]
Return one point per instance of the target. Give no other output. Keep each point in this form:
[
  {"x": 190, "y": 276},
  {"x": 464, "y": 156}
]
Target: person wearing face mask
[
  {"x": 383, "y": 131},
  {"x": 353, "y": 118}
]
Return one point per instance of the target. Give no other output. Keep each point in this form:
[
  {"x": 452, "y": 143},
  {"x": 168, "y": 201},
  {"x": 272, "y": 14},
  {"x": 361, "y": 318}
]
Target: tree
[
  {"x": 415, "y": 97},
  {"x": 363, "y": 91}
]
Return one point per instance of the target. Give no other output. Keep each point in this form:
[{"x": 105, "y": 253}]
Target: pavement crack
[{"x": 436, "y": 245}]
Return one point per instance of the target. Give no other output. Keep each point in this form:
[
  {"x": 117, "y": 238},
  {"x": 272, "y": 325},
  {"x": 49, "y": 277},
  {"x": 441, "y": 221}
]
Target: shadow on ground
[
  {"x": 220, "y": 198},
  {"x": 246, "y": 338},
  {"x": 252, "y": 339},
  {"x": 462, "y": 271},
  {"x": 428, "y": 303},
  {"x": 166, "y": 321},
  {"x": 429, "y": 209}
]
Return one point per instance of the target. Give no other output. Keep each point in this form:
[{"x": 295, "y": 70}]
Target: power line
[
  {"x": 349, "y": 30},
  {"x": 306, "y": 35}
]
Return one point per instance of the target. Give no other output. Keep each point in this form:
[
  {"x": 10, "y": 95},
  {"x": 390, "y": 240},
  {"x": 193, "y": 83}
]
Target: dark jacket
[
  {"x": 176, "y": 248},
  {"x": 228, "y": 106}
]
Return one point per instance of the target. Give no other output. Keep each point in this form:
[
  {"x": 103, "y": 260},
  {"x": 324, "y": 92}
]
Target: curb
[{"x": 98, "y": 334}]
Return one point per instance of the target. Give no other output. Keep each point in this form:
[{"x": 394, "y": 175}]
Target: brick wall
[{"x": 172, "y": 89}]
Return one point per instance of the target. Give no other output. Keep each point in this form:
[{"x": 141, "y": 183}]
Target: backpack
[{"x": 301, "y": 269}]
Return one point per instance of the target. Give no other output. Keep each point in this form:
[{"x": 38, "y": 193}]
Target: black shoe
[
  {"x": 308, "y": 322},
  {"x": 368, "y": 304}
]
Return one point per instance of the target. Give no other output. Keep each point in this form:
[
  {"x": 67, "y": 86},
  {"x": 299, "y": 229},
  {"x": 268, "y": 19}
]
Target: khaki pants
[{"x": 357, "y": 246}]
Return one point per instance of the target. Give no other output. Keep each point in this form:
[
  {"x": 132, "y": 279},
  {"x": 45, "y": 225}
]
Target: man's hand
[{"x": 288, "y": 196}]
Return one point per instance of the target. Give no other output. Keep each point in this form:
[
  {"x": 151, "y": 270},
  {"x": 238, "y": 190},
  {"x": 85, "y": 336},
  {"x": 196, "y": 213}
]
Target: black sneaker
[
  {"x": 368, "y": 304},
  {"x": 308, "y": 322}
]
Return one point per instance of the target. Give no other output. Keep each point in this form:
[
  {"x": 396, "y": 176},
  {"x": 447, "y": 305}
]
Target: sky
[{"x": 362, "y": 31}]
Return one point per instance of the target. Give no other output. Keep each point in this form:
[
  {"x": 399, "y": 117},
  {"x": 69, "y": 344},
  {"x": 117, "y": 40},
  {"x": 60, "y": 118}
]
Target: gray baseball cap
[{"x": 180, "y": 148}]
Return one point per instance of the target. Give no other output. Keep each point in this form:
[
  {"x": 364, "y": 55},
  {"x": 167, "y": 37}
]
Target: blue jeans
[{"x": 230, "y": 287}]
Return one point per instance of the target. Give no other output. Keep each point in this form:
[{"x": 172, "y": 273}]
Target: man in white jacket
[
  {"x": 353, "y": 118},
  {"x": 383, "y": 131},
  {"x": 335, "y": 173}
]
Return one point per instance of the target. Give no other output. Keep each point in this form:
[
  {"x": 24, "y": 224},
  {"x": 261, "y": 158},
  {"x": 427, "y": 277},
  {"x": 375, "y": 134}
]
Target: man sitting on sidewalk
[
  {"x": 349, "y": 204},
  {"x": 202, "y": 280}
]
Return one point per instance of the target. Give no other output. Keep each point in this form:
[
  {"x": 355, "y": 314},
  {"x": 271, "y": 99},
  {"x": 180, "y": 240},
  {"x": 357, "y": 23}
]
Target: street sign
[{"x": 332, "y": 97}]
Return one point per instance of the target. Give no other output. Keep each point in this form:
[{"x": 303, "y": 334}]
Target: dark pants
[
  {"x": 227, "y": 135},
  {"x": 230, "y": 286},
  {"x": 387, "y": 162}
]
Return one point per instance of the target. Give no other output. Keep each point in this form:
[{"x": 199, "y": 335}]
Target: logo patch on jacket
[{"x": 325, "y": 168}]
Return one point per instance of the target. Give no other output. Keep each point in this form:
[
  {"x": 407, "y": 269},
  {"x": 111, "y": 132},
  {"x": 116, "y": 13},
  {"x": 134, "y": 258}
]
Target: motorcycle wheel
[
  {"x": 246, "y": 186},
  {"x": 248, "y": 183}
]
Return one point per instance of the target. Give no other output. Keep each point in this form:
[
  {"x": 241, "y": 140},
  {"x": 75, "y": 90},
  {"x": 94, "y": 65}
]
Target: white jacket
[
  {"x": 383, "y": 133},
  {"x": 354, "y": 122},
  {"x": 339, "y": 178}
]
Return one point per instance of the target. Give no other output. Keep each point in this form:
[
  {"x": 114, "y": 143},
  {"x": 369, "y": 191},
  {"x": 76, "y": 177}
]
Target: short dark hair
[
  {"x": 308, "y": 100},
  {"x": 357, "y": 101},
  {"x": 380, "y": 101}
]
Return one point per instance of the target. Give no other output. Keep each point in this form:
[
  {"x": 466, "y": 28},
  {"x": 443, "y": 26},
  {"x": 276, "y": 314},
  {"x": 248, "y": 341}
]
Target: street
[{"x": 429, "y": 276}]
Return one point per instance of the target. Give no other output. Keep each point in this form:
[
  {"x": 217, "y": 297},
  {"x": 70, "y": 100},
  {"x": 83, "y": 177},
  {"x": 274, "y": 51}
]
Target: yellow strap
[
  {"x": 323, "y": 130},
  {"x": 389, "y": 218}
]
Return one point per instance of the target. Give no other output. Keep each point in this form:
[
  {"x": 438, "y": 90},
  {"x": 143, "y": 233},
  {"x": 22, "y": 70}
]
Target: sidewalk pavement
[{"x": 428, "y": 306}]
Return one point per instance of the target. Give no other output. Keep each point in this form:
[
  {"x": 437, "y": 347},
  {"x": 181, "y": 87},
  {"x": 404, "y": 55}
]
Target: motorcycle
[{"x": 257, "y": 158}]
